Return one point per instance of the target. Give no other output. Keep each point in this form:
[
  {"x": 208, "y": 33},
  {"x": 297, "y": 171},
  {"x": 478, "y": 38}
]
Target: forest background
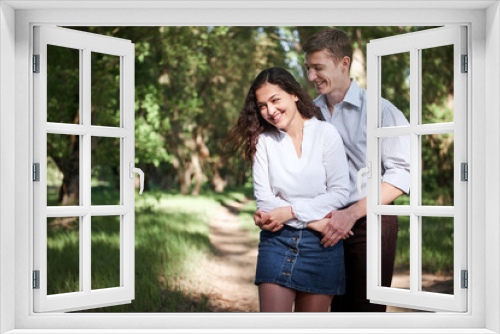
[{"x": 190, "y": 85}]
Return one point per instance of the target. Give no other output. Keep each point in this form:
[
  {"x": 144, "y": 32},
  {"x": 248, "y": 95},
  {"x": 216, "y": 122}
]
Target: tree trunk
[
  {"x": 184, "y": 173},
  {"x": 218, "y": 182},
  {"x": 198, "y": 174},
  {"x": 69, "y": 192}
]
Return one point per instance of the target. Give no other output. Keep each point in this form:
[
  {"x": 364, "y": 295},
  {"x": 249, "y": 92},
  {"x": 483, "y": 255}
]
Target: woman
[{"x": 300, "y": 175}]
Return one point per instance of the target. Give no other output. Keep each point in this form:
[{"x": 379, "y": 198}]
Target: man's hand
[
  {"x": 266, "y": 222},
  {"x": 338, "y": 227}
]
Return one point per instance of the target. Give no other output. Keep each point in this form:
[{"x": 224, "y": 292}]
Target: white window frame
[
  {"x": 483, "y": 20},
  {"x": 85, "y": 43},
  {"x": 413, "y": 43}
]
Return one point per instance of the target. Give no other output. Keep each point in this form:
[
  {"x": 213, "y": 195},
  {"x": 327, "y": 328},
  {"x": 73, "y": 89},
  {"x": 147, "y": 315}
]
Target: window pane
[
  {"x": 401, "y": 276},
  {"x": 395, "y": 165},
  {"x": 437, "y": 254},
  {"x": 63, "y": 85},
  {"x": 105, "y": 252},
  {"x": 437, "y": 84},
  {"x": 395, "y": 83},
  {"x": 105, "y": 90},
  {"x": 63, "y": 169},
  {"x": 438, "y": 169},
  {"x": 105, "y": 171},
  {"x": 63, "y": 255}
]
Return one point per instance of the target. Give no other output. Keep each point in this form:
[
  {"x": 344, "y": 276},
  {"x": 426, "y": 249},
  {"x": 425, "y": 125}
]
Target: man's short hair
[{"x": 334, "y": 41}]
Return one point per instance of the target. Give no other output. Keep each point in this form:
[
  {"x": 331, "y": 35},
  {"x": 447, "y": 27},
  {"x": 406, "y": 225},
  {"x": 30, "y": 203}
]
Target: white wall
[
  {"x": 7, "y": 162},
  {"x": 492, "y": 171}
]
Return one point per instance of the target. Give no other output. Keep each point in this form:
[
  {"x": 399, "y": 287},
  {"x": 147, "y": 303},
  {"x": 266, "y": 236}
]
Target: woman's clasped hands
[{"x": 273, "y": 220}]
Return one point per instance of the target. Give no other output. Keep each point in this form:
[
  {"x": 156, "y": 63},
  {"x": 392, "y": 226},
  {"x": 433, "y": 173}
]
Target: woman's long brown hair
[{"x": 245, "y": 134}]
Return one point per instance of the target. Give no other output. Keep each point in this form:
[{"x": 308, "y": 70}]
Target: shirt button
[
  {"x": 290, "y": 260},
  {"x": 286, "y": 274},
  {"x": 294, "y": 250}
]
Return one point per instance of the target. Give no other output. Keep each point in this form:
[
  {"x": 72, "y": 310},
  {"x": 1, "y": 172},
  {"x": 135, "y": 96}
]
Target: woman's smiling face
[{"x": 276, "y": 106}]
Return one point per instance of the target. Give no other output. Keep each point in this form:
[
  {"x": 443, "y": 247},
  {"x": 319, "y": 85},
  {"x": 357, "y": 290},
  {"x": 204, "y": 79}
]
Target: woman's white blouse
[{"x": 314, "y": 184}]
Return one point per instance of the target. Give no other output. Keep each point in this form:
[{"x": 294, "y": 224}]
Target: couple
[{"x": 312, "y": 250}]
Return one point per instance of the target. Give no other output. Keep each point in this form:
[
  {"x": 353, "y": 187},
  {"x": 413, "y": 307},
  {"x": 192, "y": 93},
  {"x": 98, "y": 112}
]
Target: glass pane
[
  {"x": 105, "y": 252},
  {"x": 438, "y": 169},
  {"x": 105, "y": 90},
  {"x": 105, "y": 171},
  {"x": 395, "y": 83},
  {"x": 63, "y": 255},
  {"x": 395, "y": 165},
  {"x": 437, "y": 84},
  {"x": 401, "y": 276},
  {"x": 63, "y": 169},
  {"x": 63, "y": 85},
  {"x": 437, "y": 254}
]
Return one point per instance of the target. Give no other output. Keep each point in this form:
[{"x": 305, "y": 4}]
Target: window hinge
[
  {"x": 465, "y": 279},
  {"x": 465, "y": 64},
  {"x": 36, "y": 63},
  {"x": 36, "y": 172},
  {"x": 464, "y": 171},
  {"x": 36, "y": 279}
]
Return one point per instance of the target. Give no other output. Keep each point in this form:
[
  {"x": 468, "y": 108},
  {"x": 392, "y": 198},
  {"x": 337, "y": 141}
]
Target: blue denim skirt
[{"x": 295, "y": 259}]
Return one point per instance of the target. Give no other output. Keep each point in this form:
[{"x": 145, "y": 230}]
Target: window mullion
[
  {"x": 85, "y": 168},
  {"x": 81, "y": 220},
  {"x": 415, "y": 244}
]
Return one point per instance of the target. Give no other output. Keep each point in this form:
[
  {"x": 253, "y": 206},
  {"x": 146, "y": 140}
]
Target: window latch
[
  {"x": 134, "y": 170},
  {"x": 359, "y": 177}
]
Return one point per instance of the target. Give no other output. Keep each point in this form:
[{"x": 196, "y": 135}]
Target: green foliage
[
  {"x": 190, "y": 85},
  {"x": 437, "y": 245}
]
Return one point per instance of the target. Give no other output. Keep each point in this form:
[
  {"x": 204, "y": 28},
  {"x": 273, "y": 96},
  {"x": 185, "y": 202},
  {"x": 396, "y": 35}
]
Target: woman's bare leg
[
  {"x": 275, "y": 298},
  {"x": 312, "y": 302}
]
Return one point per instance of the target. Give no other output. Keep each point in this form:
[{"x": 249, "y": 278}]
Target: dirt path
[{"x": 226, "y": 278}]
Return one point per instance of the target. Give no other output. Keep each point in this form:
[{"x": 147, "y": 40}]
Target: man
[{"x": 343, "y": 103}]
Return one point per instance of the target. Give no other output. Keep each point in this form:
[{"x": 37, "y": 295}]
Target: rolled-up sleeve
[
  {"x": 337, "y": 181},
  {"x": 395, "y": 151}
]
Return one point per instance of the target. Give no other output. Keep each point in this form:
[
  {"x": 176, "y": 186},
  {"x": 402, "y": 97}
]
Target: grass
[
  {"x": 437, "y": 242},
  {"x": 437, "y": 245},
  {"x": 171, "y": 239}
]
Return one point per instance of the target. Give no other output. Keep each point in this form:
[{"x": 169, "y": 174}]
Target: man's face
[{"x": 326, "y": 74}]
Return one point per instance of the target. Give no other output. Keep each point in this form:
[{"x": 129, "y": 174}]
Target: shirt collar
[
  {"x": 353, "y": 96},
  {"x": 307, "y": 123}
]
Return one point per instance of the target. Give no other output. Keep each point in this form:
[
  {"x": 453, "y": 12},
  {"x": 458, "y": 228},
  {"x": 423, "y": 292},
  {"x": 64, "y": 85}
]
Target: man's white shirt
[{"x": 349, "y": 118}]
